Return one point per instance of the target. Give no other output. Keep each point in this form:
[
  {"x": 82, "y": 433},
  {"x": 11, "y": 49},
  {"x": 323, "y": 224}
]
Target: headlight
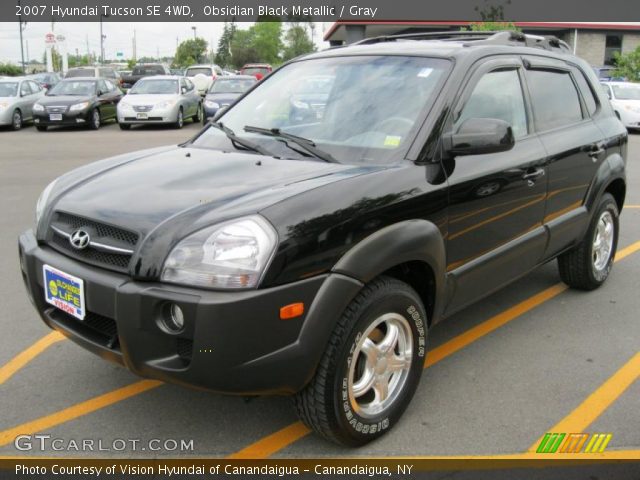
[
  {"x": 632, "y": 108},
  {"x": 78, "y": 106},
  {"x": 231, "y": 255},
  {"x": 166, "y": 104},
  {"x": 123, "y": 104},
  {"x": 42, "y": 200},
  {"x": 3, "y": 105},
  {"x": 211, "y": 104},
  {"x": 38, "y": 108}
]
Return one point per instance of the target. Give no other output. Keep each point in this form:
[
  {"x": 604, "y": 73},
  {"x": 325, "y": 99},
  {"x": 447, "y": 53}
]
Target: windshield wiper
[
  {"x": 305, "y": 143},
  {"x": 235, "y": 140}
]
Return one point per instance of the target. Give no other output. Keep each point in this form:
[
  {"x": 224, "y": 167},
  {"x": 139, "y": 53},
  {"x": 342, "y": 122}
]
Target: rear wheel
[
  {"x": 587, "y": 266},
  {"x": 371, "y": 367},
  {"x": 16, "y": 120},
  {"x": 95, "y": 120}
]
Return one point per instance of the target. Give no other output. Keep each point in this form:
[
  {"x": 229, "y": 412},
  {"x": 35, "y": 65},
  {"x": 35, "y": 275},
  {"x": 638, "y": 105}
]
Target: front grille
[
  {"x": 104, "y": 234},
  {"x": 57, "y": 109},
  {"x": 102, "y": 230},
  {"x": 97, "y": 328},
  {"x": 142, "y": 108}
]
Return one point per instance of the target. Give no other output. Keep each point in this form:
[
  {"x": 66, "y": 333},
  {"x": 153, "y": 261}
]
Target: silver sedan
[
  {"x": 17, "y": 96},
  {"x": 160, "y": 99}
]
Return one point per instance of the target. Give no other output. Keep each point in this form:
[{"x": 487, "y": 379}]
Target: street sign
[
  {"x": 119, "y": 54},
  {"x": 60, "y": 38},
  {"x": 50, "y": 39}
]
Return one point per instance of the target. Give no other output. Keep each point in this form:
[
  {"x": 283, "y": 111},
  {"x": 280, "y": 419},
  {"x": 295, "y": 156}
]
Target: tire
[
  {"x": 41, "y": 128},
  {"x": 95, "y": 120},
  {"x": 326, "y": 404},
  {"x": 124, "y": 126},
  {"x": 198, "y": 116},
  {"x": 16, "y": 120},
  {"x": 180, "y": 121},
  {"x": 586, "y": 266}
]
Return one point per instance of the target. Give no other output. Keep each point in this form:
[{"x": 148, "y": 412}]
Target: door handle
[
  {"x": 530, "y": 176},
  {"x": 596, "y": 149}
]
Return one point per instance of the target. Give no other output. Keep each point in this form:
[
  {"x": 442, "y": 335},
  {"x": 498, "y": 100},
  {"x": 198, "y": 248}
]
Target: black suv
[{"x": 280, "y": 254}]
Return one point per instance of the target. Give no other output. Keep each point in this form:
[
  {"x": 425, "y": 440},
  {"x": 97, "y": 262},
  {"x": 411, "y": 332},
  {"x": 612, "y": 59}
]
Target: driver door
[{"x": 497, "y": 201}]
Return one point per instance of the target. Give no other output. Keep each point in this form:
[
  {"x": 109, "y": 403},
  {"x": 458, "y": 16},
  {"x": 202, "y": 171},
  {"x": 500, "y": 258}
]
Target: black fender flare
[
  {"x": 408, "y": 241},
  {"x": 612, "y": 169}
]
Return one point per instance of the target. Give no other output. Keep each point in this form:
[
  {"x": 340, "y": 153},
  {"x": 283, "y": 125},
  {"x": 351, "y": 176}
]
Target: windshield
[
  {"x": 361, "y": 109},
  {"x": 232, "y": 85},
  {"x": 627, "y": 92},
  {"x": 81, "y": 72},
  {"x": 84, "y": 88},
  {"x": 8, "y": 89},
  {"x": 192, "y": 72},
  {"x": 152, "y": 87}
]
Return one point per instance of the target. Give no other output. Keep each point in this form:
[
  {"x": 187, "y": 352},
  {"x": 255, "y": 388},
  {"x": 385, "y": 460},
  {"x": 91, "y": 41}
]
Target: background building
[{"x": 595, "y": 42}]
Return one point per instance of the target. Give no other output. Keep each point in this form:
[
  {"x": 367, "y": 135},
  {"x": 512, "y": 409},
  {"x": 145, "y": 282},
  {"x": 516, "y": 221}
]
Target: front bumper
[
  {"x": 233, "y": 342},
  {"x": 130, "y": 116},
  {"x": 68, "y": 119},
  {"x": 6, "y": 116}
]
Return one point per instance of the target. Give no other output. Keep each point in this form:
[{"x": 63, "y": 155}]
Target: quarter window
[
  {"x": 587, "y": 93},
  {"x": 554, "y": 99},
  {"x": 498, "y": 95}
]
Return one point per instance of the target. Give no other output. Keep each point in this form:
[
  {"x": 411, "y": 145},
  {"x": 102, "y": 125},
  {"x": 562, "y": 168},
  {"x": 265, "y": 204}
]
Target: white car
[
  {"x": 160, "y": 99},
  {"x": 625, "y": 99},
  {"x": 203, "y": 76},
  {"x": 17, "y": 96}
]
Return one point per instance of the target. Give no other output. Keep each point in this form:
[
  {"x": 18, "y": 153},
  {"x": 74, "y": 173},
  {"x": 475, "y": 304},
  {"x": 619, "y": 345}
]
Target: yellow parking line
[
  {"x": 269, "y": 445},
  {"x": 596, "y": 403},
  {"x": 281, "y": 439},
  {"x": 631, "y": 206},
  {"x": 24, "y": 357},
  {"x": 78, "y": 410}
]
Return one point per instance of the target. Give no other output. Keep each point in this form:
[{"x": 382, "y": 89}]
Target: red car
[{"x": 258, "y": 70}]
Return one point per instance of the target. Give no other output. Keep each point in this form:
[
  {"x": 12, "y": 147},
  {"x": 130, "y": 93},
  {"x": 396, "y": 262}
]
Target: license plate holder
[
  {"x": 64, "y": 291},
  {"x": 55, "y": 117},
  {"x": 142, "y": 116}
]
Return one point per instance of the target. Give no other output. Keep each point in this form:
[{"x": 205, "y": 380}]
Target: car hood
[
  {"x": 183, "y": 189},
  {"x": 63, "y": 99},
  {"x": 630, "y": 103},
  {"x": 223, "y": 98},
  {"x": 148, "y": 99}
]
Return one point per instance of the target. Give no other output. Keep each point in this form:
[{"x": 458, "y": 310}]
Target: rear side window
[
  {"x": 587, "y": 93},
  {"x": 554, "y": 99},
  {"x": 498, "y": 95}
]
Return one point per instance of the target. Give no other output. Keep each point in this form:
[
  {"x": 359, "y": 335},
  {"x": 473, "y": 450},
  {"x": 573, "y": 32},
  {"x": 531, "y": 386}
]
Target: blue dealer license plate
[{"x": 64, "y": 291}]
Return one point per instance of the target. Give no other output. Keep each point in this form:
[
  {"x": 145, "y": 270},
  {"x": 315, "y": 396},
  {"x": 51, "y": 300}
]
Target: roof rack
[{"x": 470, "y": 38}]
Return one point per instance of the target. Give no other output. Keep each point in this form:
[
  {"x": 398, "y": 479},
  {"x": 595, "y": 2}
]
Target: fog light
[{"x": 172, "y": 318}]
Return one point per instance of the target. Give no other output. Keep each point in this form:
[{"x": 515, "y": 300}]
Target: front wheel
[
  {"x": 587, "y": 266},
  {"x": 95, "y": 120},
  {"x": 198, "y": 116},
  {"x": 371, "y": 367},
  {"x": 180, "y": 120},
  {"x": 41, "y": 128},
  {"x": 16, "y": 120}
]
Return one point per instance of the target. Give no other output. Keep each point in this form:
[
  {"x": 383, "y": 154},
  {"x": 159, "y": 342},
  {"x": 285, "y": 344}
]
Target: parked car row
[{"x": 93, "y": 101}]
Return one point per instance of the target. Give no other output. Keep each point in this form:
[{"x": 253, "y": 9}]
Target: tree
[
  {"x": 297, "y": 42},
  {"x": 189, "y": 52},
  {"x": 10, "y": 69},
  {"x": 628, "y": 65},
  {"x": 493, "y": 26},
  {"x": 243, "y": 48},
  {"x": 492, "y": 19},
  {"x": 267, "y": 39},
  {"x": 223, "y": 55}
]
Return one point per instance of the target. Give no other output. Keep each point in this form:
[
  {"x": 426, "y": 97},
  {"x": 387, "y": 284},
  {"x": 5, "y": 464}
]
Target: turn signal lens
[{"x": 291, "y": 311}]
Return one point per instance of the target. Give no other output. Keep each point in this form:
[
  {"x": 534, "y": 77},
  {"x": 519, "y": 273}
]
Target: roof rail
[{"x": 508, "y": 37}]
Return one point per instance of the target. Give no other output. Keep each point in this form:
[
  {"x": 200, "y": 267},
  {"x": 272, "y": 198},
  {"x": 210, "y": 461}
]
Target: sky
[{"x": 152, "y": 38}]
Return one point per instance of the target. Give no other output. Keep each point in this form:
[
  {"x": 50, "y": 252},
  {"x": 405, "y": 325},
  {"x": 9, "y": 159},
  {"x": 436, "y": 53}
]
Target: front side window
[
  {"x": 8, "y": 89},
  {"x": 359, "y": 109},
  {"x": 554, "y": 99},
  {"x": 498, "y": 94}
]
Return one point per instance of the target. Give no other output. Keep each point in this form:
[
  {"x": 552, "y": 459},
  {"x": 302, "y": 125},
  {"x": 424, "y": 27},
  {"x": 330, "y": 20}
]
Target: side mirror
[
  {"x": 478, "y": 136},
  {"x": 183, "y": 90}
]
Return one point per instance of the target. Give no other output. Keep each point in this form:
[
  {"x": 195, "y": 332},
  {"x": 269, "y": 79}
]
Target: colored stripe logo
[{"x": 574, "y": 443}]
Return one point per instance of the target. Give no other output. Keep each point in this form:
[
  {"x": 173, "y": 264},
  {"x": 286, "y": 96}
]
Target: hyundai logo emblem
[{"x": 79, "y": 239}]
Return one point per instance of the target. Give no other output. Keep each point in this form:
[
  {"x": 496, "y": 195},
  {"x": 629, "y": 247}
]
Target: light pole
[
  {"x": 102, "y": 37},
  {"x": 21, "y": 45},
  {"x": 194, "y": 32}
]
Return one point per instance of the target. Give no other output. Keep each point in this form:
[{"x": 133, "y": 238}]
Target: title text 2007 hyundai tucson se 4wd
[{"x": 310, "y": 254}]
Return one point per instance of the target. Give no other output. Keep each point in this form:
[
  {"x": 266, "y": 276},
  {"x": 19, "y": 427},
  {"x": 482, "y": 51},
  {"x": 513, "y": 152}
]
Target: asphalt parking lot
[{"x": 531, "y": 359}]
